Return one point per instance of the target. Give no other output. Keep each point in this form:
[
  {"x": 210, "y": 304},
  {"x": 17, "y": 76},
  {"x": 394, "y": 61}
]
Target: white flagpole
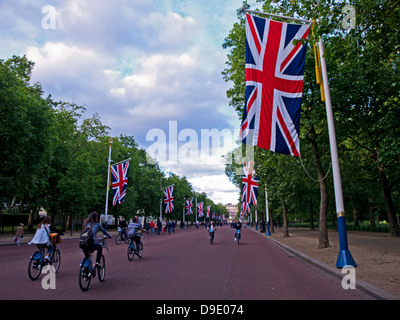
[
  {"x": 184, "y": 207},
  {"x": 161, "y": 201},
  {"x": 197, "y": 210},
  {"x": 266, "y": 210},
  {"x": 108, "y": 184},
  {"x": 345, "y": 258},
  {"x": 276, "y": 15}
]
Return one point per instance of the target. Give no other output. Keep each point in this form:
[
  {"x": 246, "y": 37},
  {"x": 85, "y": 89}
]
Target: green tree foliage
[
  {"x": 55, "y": 157},
  {"x": 362, "y": 66},
  {"x": 25, "y": 121}
]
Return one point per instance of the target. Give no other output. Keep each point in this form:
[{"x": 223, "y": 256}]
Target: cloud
[{"x": 138, "y": 64}]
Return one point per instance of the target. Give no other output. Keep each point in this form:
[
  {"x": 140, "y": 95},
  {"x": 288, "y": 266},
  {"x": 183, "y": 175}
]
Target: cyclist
[
  {"x": 211, "y": 230},
  {"x": 93, "y": 222},
  {"x": 133, "y": 227},
  {"x": 238, "y": 226},
  {"x": 122, "y": 224},
  {"x": 42, "y": 236}
]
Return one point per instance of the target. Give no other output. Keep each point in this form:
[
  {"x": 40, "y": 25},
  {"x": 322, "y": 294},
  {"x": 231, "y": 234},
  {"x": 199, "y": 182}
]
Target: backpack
[
  {"x": 132, "y": 232},
  {"x": 86, "y": 237}
]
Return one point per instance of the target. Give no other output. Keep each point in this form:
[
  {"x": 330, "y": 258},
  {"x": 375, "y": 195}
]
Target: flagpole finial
[{"x": 110, "y": 140}]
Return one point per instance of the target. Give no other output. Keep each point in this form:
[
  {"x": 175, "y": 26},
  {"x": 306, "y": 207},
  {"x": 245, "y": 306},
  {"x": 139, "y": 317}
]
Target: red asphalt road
[{"x": 180, "y": 266}]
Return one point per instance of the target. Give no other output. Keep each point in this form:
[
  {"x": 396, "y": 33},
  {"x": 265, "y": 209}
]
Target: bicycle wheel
[
  {"x": 140, "y": 252},
  {"x": 131, "y": 253},
  {"x": 34, "y": 266},
  {"x": 126, "y": 239},
  {"x": 56, "y": 260},
  {"x": 118, "y": 239},
  {"x": 101, "y": 272},
  {"x": 84, "y": 275}
]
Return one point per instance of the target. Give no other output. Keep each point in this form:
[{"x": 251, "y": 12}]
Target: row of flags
[{"x": 119, "y": 182}]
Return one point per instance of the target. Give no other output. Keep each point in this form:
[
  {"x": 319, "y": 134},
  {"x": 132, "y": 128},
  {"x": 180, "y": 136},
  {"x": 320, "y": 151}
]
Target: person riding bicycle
[
  {"x": 42, "y": 236},
  {"x": 237, "y": 226},
  {"x": 93, "y": 222},
  {"x": 133, "y": 227},
  {"x": 211, "y": 229},
  {"x": 122, "y": 224}
]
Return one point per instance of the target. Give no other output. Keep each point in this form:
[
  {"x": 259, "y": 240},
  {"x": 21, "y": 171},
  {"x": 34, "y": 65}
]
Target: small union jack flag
[
  {"x": 250, "y": 185},
  {"x": 274, "y": 84},
  {"x": 208, "y": 211},
  {"x": 245, "y": 208},
  {"x": 169, "y": 199},
  {"x": 189, "y": 206},
  {"x": 200, "y": 209},
  {"x": 119, "y": 180}
]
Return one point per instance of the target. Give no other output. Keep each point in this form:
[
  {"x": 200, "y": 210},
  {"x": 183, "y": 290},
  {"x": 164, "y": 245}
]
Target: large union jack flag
[
  {"x": 189, "y": 206},
  {"x": 274, "y": 84},
  {"x": 200, "y": 209},
  {"x": 250, "y": 185},
  {"x": 169, "y": 199},
  {"x": 119, "y": 180}
]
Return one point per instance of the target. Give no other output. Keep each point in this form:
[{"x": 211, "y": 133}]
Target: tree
[{"x": 25, "y": 119}]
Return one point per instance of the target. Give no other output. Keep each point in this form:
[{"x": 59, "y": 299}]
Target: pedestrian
[
  {"x": 164, "y": 227},
  {"x": 151, "y": 227},
  {"x": 155, "y": 228},
  {"x": 19, "y": 234},
  {"x": 159, "y": 226},
  {"x": 169, "y": 226}
]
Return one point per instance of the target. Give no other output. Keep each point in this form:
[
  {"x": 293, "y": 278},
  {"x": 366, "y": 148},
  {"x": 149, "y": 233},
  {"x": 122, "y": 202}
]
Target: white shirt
[{"x": 42, "y": 235}]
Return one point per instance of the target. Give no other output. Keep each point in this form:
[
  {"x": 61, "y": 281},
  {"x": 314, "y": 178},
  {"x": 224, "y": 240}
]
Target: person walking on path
[{"x": 19, "y": 234}]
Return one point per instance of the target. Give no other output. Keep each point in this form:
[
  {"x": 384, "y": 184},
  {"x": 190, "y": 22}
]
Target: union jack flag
[
  {"x": 200, "y": 209},
  {"x": 245, "y": 208},
  {"x": 169, "y": 198},
  {"x": 250, "y": 185},
  {"x": 208, "y": 211},
  {"x": 189, "y": 206},
  {"x": 119, "y": 180},
  {"x": 274, "y": 84}
]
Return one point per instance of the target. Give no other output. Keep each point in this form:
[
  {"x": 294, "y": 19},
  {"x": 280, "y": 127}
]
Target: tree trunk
[
  {"x": 311, "y": 215},
  {"x": 355, "y": 218},
  {"x": 271, "y": 220},
  {"x": 323, "y": 210},
  {"x": 394, "y": 226},
  {"x": 285, "y": 223},
  {"x": 371, "y": 213}
]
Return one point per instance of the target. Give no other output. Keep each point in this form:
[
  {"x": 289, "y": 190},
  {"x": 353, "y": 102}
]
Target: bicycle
[
  {"x": 37, "y": 260},
  {"x": 119, "y": 237},
  {"x": 237, "y": 236},
  {"x": 87, "y": 270},
  {"x": 211, "y": 236},
  {"x": 131, "y": 248}
]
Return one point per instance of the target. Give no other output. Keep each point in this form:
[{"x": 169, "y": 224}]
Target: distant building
[{"x": 232, "y": 209}]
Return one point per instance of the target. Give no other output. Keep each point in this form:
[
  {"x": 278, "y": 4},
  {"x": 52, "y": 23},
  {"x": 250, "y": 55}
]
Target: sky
[{"x": 150, "y": 69}]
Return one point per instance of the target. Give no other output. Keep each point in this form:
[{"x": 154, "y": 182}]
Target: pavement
[
  {"x": 379, "y": 241},
  {"x": 368, "y": 288}
]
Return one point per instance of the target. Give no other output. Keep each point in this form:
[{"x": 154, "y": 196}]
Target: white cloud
[{"x": 138, "y": 64}]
